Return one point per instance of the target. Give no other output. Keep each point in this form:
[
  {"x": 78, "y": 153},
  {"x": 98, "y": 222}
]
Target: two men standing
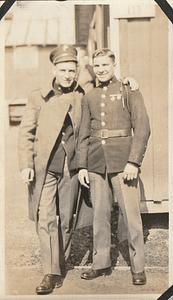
[{"x": 107, "y": 156}]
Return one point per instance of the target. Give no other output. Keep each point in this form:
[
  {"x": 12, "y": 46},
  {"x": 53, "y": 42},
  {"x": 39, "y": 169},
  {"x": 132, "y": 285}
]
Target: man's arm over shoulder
[
  {"x": 27, "y": 131},
  {"x": 141, "y": 126}
]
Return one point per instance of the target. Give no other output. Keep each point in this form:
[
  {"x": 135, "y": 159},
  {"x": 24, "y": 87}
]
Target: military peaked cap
[{"x": 63, "y": 53}]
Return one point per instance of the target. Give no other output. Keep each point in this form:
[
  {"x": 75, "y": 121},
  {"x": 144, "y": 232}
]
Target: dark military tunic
[
  {"x": 114, "y": 130},
  {"x": 117, "y": 110}
]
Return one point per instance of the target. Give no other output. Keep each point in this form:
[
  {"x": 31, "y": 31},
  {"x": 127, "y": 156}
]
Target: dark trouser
[
  {"x": 55, "y": 231},
  {"x": 127, "y": 195}
]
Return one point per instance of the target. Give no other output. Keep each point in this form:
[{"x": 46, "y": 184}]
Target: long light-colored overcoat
[{"x": 39, "y": 129}]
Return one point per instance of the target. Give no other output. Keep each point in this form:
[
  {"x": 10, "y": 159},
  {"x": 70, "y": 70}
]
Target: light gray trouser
[
  {"x": 127, "y": 195},
  {"x": 55, "y": 232}
]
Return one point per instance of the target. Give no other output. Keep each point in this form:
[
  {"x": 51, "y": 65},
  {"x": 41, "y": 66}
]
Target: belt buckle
[{"x": 104, "y": 133}]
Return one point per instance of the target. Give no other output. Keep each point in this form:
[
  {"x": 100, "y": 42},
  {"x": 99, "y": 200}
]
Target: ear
[{"x": 77, "y": 71}]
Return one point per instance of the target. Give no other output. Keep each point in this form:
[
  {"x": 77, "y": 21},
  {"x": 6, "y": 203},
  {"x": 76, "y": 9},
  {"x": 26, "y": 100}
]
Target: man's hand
[
  {"x": 130, "y": 172},
  {"x": 132, "y": 82},
  {"x": 83, "y": 178},
  {"x": 27, "y": 175}
]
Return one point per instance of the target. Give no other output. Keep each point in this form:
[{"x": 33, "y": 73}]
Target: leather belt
[{"x": 107, "y": 133}]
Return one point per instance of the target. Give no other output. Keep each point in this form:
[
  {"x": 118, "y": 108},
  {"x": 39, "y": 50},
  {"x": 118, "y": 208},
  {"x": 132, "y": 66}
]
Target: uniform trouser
[
  {"x": 55, "y": 231},
  {"x": 127, "y": 195}
]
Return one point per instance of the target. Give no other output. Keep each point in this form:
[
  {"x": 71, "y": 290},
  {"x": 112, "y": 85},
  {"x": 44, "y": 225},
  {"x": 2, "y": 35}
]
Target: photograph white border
[{"x": 3, "y": 114}]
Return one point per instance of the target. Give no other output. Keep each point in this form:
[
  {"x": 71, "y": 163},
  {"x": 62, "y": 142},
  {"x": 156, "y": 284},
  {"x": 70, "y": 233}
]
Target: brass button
[
  {"x": 103, "y": 123},
  {"x": 103, "y": 142},
  {"x": 63, "y": 133},
  {"x": 118, "y": 96},
  {"x": 102, "y": 113},
  {"x": 103, "y": 96},
  {"x": 102, "y": 104},
  {"x": 63, "y": 142},
  {"x": 105, "y": 88}
]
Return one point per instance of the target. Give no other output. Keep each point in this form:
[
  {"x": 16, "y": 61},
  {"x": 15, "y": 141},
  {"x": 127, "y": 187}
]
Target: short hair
[{"x": 104, "y": 52}]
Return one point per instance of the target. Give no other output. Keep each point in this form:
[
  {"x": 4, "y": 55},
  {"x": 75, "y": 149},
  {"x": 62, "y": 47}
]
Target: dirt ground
[{"x": 23, "y": 266}]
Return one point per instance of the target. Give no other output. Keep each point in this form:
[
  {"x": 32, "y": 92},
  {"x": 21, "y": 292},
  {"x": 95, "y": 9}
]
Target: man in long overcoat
[
  {"x": 47, "y": 148},
  {"x": 112, "y": 141}
]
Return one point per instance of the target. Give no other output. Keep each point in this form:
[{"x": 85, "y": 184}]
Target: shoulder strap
[{"x": 125, "y": 95}]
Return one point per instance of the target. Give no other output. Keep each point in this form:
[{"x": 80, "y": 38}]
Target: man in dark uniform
[
  {"x": 112, "y": 141},
  {"x": 47, "y": 148}
]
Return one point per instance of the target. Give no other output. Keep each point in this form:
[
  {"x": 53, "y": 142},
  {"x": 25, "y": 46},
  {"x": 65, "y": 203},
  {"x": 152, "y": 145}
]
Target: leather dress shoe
[
  {"x": 49, "y": 282},
  {"x": 139, "y": 278},
  {"x": 91, "y": 274}
]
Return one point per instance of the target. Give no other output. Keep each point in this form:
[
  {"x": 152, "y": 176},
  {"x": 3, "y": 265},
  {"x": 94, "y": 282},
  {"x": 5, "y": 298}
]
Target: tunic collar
[
  {"x": 107, "y": 83},
  {"x": 52, "y": 87}
]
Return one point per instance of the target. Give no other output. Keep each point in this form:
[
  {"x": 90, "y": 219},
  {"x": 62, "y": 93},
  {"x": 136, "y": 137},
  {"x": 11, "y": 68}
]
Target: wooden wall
[
  {"x": 144, "y": 56},
  {"x": 20, "y": 81}
]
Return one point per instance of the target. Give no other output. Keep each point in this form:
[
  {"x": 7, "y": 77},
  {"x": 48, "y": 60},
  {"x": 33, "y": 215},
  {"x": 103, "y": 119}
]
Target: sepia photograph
[{"x": 86, "y": 159}]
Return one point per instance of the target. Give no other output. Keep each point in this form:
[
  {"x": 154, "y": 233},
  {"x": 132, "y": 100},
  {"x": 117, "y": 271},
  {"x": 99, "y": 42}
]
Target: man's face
[
  {"x": 65, "y": 73},
  {"x": 103, "y": 67}
]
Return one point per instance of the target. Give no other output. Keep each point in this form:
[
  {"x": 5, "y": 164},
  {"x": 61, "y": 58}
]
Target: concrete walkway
[{"x": 22, "y": 281}]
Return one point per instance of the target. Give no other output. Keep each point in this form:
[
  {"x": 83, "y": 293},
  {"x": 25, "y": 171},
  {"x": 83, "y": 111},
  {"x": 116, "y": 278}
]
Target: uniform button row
[{"x": 102, "y": 113}]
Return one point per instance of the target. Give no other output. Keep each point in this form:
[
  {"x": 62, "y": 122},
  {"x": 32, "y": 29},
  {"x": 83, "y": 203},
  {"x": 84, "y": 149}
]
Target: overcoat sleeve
[
  {"x": 27, "y": 132},
  {"x": 84, "y": 134},
  {"x": 140, "y": 125}
]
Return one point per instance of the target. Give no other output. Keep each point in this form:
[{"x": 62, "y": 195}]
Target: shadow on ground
[{"x": 155, "y": 231}]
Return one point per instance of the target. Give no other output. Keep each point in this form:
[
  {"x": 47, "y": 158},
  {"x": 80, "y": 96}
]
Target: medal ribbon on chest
[{"x": 113, "y": 97}]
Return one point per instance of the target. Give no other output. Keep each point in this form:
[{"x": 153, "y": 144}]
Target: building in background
[{"x": 136, "y": 30}]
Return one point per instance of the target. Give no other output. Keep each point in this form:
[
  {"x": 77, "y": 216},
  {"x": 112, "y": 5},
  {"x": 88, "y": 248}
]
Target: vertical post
[
  {"x": 99, "y": 26},
  {"x": 115, "y": 37}
]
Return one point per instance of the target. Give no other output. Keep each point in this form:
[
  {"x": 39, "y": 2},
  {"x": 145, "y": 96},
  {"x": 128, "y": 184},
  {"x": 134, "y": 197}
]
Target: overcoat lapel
[
  {"x": 75, "y": 111},
  {"x": 51, "y": 121}
]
